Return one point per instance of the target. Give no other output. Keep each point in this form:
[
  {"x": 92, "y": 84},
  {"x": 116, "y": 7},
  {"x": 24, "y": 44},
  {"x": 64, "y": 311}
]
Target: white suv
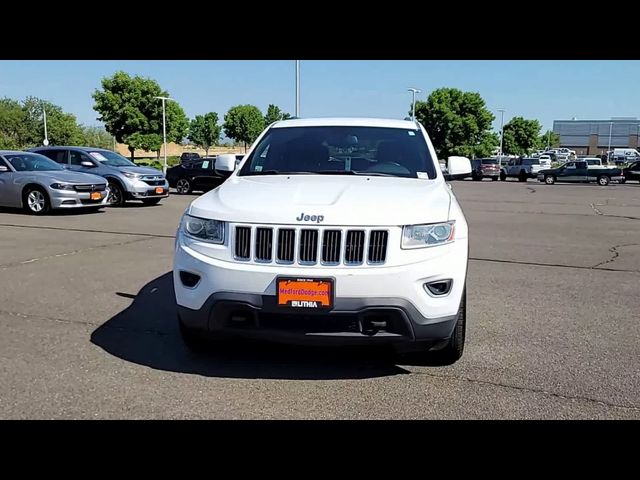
[{"x": 338, "y": 230}]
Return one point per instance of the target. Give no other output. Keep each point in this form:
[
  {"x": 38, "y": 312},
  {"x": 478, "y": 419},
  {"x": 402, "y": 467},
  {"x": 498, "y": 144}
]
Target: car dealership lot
[{"x": 88, "y": 322}]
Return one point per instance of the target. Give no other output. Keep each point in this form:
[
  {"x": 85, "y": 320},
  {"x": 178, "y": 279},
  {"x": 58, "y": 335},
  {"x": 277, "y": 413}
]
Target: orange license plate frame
[
  {"x": 305, "y": 293},
  {"x": 159, "y": 190},
  {"x": 95, "y": 196}
]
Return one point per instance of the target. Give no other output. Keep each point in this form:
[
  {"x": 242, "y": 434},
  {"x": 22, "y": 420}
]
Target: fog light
[
  {"x": 189, "y": 279},
  {"x": 439, "y": 287}
]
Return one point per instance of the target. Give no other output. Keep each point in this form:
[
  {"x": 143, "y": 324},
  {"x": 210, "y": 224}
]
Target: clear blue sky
[{"x": 545, "y": 90}]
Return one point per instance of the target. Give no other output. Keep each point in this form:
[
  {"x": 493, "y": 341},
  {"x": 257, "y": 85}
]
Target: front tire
[
  {"x": 36, "y": 201},
  {"x": 493, "y": 179},
  {"x": 183, "y": 186},
  {"x": 116, "y": 195},
  {"x": 503, "y": 176},
  {"x": 549, "y": 179},
  {"x": 454, "y": 348},
  {"x": 603, "y": 180},
  {"x": 523, "y": 176}
]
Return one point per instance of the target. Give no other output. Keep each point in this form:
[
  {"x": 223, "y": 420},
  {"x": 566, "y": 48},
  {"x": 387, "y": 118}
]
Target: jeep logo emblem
[{"x": 310, "y": 218}]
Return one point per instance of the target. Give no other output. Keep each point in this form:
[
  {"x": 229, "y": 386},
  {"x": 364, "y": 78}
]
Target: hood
[
  {"x": 67, "y": 176},
  {"x": 339, "y": 200},
  {"x": 140, "y": 170}
]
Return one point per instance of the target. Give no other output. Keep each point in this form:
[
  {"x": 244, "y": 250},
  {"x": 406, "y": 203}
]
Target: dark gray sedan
[{"x": 33, "y": 182}]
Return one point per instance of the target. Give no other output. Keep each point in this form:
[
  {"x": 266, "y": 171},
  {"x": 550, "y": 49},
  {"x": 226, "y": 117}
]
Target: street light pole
[
  {"x": 297, "y": 88},
  {"x": 164, "y": 130},
  {"x": 413, "y": 103},
  {"x": 548, "y": 139},
  {"x": 45, "y": 142},
  {"x": 501, "y": 110},
  {"x": 609, "y": 149}
]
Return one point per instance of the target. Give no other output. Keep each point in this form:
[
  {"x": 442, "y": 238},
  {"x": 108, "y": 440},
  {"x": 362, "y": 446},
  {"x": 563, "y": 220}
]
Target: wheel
[
  {"x": 36, "y": 201},
  {"x": 503, "y": 176},
  {"x": 151, "y": 201},
  {"x": 523, "y": 176},
  {"x": 452, "y": 351},
  {"x": 183, "y": 186},
  {"x": 549, "y": 179},
  {"x": 493, "y": 179},
  {"x": 116, "y": 195},
  {"x": 623, "y": 180},
  {"x": 603, "y": 180}
]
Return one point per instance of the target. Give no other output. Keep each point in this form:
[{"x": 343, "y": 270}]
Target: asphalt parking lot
[{"x": 88, "y": 322}]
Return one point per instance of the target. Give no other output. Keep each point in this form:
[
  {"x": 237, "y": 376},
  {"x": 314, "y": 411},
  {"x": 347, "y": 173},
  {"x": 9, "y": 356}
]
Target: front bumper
[
  {"x": 140, "y": 190},
  {"x": 73, "y": 199},
  {"x": 240, "y": 299}
]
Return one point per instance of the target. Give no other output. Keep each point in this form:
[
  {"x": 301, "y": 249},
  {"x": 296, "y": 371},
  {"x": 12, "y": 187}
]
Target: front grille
[
  {"x": 304, "y": 246},
  {"x": 154, "y": 183},
  {"x": 331, "y": 246},
  {"x": 286, "y": 245},
  {"x": 99, "y": 187},
  {"x": 264, "y": 244},
  {"x": 354, "y": 248},
  {"x": 308, "y": 246},
  {"x": 378, "y": 246},
  {"x": 243, "y": 243}
]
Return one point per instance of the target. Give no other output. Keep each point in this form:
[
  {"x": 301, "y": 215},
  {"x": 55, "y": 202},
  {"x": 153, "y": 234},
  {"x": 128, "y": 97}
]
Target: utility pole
[
  {"x": 45, "y": 142},
  {"x": 164, "y": 130},
  {"x": 413, "y": 103},
  {"x": 297, "y": 88}
]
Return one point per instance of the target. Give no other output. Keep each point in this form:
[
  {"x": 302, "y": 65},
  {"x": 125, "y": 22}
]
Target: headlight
[
  {"x": 61, "y": 186},
  {"x": 419, "y": 236},
  {"x": 203, "y": 229},
  {"x": 134, "y": 176}
]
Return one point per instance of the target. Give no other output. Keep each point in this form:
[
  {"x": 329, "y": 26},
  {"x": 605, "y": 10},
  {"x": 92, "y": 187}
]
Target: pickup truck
[
  {"x": 521, "y": 168},
  {"x": 580, "y": 172}
]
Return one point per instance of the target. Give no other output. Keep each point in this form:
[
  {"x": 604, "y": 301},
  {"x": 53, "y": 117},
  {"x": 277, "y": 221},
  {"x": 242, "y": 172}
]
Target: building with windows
[{"x": 593, "y": 137}]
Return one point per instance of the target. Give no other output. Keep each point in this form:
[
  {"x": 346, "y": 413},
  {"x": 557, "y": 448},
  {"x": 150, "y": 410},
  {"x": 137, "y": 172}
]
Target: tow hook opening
[{"x": 371, "y": 324}]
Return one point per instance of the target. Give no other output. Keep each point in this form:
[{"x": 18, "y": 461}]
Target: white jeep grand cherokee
[{"x": 331, "y": 230}]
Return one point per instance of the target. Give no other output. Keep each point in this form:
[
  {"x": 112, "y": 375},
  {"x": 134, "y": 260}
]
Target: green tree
[
  {"x": 243, "y": 123},
  {"x": 520, "y": 136},
  {"x": 151, "y": 142},
  {"x": 204, "y": 131},
  {"x": 97, "y": 137},
  {"x": 62, "y": 128},
  {"x": 127, "y": 106},
  {"x": 549, "y": 138},
  {"x": 274, "y": 114},
  {"x": 12, "y": 125},
  {"x": 458, "y": 123}
]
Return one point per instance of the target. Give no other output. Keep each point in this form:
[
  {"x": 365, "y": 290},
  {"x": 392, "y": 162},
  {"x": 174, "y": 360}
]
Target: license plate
[
  {"x": 305, "y": 293},
  {"x": 159, "y": 190},
  {"x": 96, "y": 196}
]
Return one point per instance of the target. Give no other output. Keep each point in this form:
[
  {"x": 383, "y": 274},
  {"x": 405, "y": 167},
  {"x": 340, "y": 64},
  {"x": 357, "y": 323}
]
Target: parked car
[
  {"x": 308, "y": 242},
  {"x": 37, "y": 184},
  {"x": 594, "y": 162},
  {"x": 578, "y": 171},
  {"x": 632, "y": 172},
  {"x": 521, "y": 168},
  {"x": 187, "y": 157},
  {"x": 194, "y": 176},
  {"x": 485, "y": 168},
  {"x": 624, "y": 155},
  {"x": 545, "y": 161},
  {"x": 127, "y": 181}
]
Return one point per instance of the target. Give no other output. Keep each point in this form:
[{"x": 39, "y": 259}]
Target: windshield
[
  {"x": 31, "y": 162},
  {"x": 341, "y": 150},
  {"x": 490, "y": 161},
  {"x": 111, "y": 159}
]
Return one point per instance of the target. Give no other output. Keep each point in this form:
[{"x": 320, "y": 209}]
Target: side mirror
[
  {"x": 459, "y": 168},
  {"x": 86, "y": 163},
  {"x": 225, "y": 164},
  {"x": 4, "y": 168}
]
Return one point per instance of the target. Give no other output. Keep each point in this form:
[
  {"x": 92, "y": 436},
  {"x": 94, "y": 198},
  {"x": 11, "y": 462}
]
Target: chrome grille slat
[
  {"x": 331, "y": 240},
  {"x": 264, "y": 244},
  {"x": 243, "y": 243},
  {"x": 286, "y": 245},
  {"x": 354, "y": 247},
  {"x": 308, "y": 246},
  {"x": 377, "y": 246}
]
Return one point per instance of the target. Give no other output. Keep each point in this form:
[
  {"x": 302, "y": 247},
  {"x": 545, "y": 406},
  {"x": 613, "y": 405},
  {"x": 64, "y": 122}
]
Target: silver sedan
[{"x": 37, "y": 184}]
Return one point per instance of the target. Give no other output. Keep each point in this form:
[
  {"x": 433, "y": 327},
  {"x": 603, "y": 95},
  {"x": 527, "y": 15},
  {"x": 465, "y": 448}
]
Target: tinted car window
[
  {"x": 78, "y": 157},
  {"x": 396, "y": 152},
  {"x": 58, "y": 156},
  {"x": 31, "y": 162}
]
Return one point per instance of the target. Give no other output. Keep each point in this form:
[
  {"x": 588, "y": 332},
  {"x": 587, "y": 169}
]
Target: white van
[{"x": 624, "y": 154}]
